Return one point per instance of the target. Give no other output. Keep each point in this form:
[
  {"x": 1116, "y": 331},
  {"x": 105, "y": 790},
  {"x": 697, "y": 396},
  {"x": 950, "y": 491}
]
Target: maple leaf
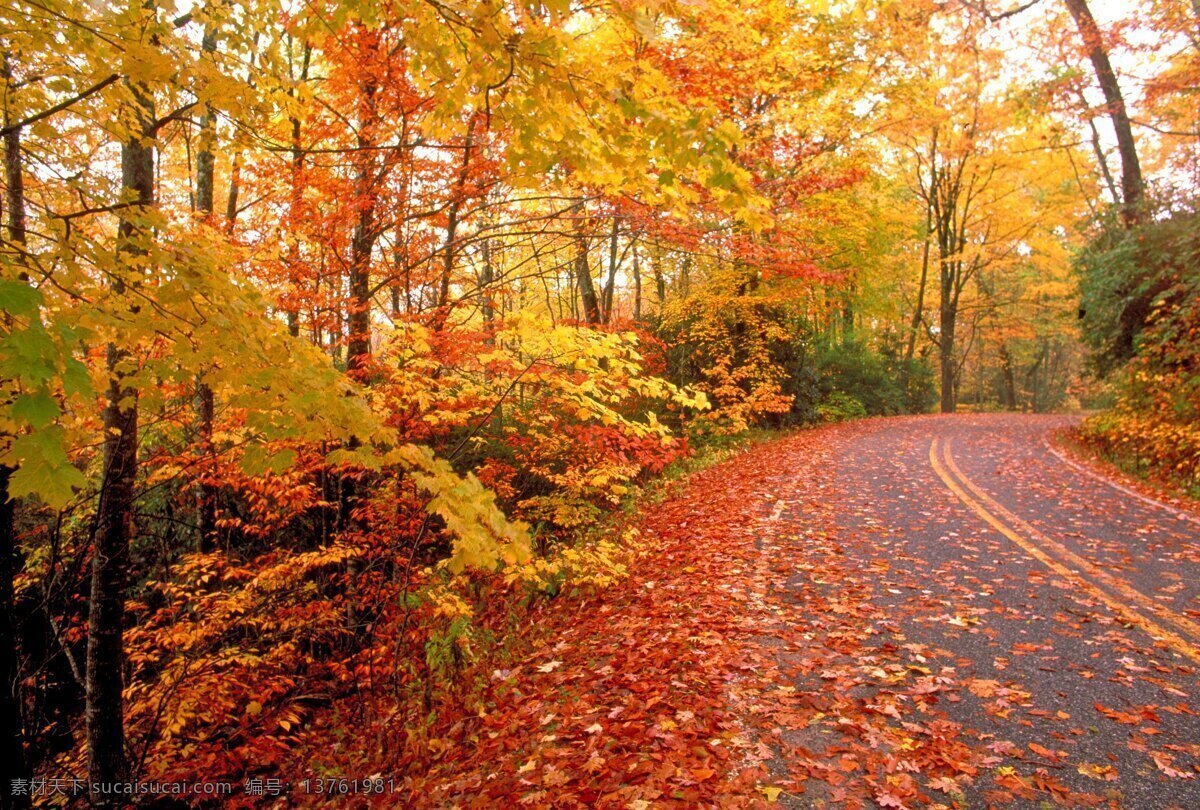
[
  {"x": 771, "y": 794},
  {"x": 945, "y": 784},
  {"x": 1106, "y": 773},
  {"x": 1165, "y": 763}
]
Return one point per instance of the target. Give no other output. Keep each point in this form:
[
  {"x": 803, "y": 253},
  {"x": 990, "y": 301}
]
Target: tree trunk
[
  {"x": 206, "y": 493},
  {"x": 637, "y": 286},
  {"x": 610, "y": 284},
  {"x": 1008, "y": 383},
  {"x": 231, "y": 202},
  {"x": 105, "y": 677},
  {"x": 914, "y": 324},
  {"x": 294, "y": 202},
  {"x": 449, "y": 251},
  {"x": 583, "y": 275},
  {"x": 486, "y": 277},
  {"x": 1132, "y": 185},
  {"x": 947, "y": 317},
  {"x": 358, "y": 310},
  {"x": 358, "y": 314},
  {"x": 12, "y": 733}
]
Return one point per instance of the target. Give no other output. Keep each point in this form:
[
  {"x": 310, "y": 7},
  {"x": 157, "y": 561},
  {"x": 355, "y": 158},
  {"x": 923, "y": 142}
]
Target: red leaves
[{"x": 1143, "y": 714}]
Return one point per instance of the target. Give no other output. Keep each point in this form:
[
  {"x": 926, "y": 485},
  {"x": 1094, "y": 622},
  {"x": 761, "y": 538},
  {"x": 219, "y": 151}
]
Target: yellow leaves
[
  {"x": 771, "y": 794},
  {"x": 147, "y": 64},
  {"x": 1104, "y": 773},
  {"x": 445, "y": 598},
  {"x": 484, "y": 537}
]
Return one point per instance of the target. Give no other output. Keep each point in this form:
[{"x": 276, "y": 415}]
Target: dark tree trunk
[
  {"x": 358, "y": 310},
  {"x": 449, "y": 252},
  {"x": 914, "y": 323},
  {"x": 231, "y": 202},
  {"x": 12, "y": 732},
  {"x": 1008, "y": 383},
  {"x": 105, "y": 677},
  {"x": 206, "y": 493},
  {"x": 610, "y": 284},
  {"x": 1132, "y": 184},
  {"x": 583, "y": 276},
  {"x": 358, "y": 314},
  {"x": 947, "y": 320},
  {"x": 637, "y": 287},
  {"x": 12, "y": 735},
  {"x": 297, "y": 173},
  {"x": 486, "y": 277}
]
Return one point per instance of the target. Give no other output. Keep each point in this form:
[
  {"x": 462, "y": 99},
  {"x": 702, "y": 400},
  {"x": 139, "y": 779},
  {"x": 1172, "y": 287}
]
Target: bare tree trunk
[
  {"x": 660, "y": 281},
  {"x": 947, "y": 321},
  {"x": 449, "y": 252},
  {"x": 358, "y": 315},
  {"x": 105, "y": 677},
  {"x": 231, "y": 202},
  {"x": 610, "y": 284},
  {"x": 637, "y": 287},
  {"x": 12, "y": 733},
  {"x": 1008, "y": 387},
  {"x": 206, "y": 493},
  {"x": 358, "y": 310},
  {"x": 1102, "y": 161},
  {"x": 583, "y": 275},
  {"x": 1132, "y": 184},
  {"x": 914, "y": 324},
  {"x": 486, "y": 277},
  {"x": 297, "y": 172}
]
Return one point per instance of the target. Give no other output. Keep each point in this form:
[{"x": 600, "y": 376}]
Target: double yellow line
[{"x": 1133, "y": 607}]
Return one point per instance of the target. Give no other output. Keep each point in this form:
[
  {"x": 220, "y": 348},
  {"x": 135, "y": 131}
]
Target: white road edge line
[{"x": 1179, "y": 513}]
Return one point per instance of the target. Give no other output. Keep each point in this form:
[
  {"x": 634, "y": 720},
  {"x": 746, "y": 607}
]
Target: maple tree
[{"x": 337, "y": 337}]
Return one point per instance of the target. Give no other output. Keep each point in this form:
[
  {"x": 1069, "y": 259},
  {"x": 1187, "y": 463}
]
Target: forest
[{"x": 345, "y": 341}]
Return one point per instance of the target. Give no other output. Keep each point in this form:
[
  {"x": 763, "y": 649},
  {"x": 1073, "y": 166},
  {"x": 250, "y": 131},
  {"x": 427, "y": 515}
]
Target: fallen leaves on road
[{"x": 799, "y": 638}]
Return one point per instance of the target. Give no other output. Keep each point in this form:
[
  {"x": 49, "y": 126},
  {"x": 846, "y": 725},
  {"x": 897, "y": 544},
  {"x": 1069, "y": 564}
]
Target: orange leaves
[{"x": 1142, "y": 715}]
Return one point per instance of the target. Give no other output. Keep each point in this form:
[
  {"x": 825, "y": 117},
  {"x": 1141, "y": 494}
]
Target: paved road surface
[{"x": 1064, "y": 612}]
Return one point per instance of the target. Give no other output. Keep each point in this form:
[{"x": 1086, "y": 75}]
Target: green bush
[
  {"x": 861, "y": 373},
  {"x": 838, "y": 407}
]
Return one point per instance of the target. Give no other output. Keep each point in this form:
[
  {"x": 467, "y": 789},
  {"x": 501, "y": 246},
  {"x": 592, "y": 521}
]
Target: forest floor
[{"x": 904, "y": 612}]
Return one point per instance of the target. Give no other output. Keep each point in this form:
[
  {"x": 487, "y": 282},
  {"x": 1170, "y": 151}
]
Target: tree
[
  {"x": 991, "y": 180},
  {"x": 1132, "y": 184},
  {"x": 12, "y": 731}
]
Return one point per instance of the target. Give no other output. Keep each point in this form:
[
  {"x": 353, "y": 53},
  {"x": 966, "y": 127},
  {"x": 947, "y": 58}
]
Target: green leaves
[
  {"x": 39, "y": 371},
  {"x": 18, "y": 298},
  {"x": 43, "y": 469},
  {"x": 38, "y": 409}
]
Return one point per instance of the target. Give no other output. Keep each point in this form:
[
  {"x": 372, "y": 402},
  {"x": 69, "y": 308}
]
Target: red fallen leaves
[
  {"x": 1046, "y": 753},
  {"x": 1165, "y": 763},
  {"x": 1142, "y": 715},
  {"x": 745, "y": 660},
  {"x": 629, "y": 701}
]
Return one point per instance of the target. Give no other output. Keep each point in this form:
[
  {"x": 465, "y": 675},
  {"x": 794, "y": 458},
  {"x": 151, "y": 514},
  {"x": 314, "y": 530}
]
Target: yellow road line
[
  {"x": 1065, "y": 555},
  {"x": 1125, "y": 612}
]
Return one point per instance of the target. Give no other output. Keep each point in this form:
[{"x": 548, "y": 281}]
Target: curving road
[{"x": 1061, "y": 614}]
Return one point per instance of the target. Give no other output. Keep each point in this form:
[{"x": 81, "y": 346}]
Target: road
[
  {"x": 930, "y": 612},
  {"x": 1061, "y": 613}
]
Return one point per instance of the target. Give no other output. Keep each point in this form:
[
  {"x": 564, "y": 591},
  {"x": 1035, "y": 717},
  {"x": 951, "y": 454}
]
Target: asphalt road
[{"x": 1060, "y": 613}]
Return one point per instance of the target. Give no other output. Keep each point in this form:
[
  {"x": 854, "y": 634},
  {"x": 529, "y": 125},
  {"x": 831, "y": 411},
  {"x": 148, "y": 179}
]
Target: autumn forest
[{"x": 493, "y": 403}]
